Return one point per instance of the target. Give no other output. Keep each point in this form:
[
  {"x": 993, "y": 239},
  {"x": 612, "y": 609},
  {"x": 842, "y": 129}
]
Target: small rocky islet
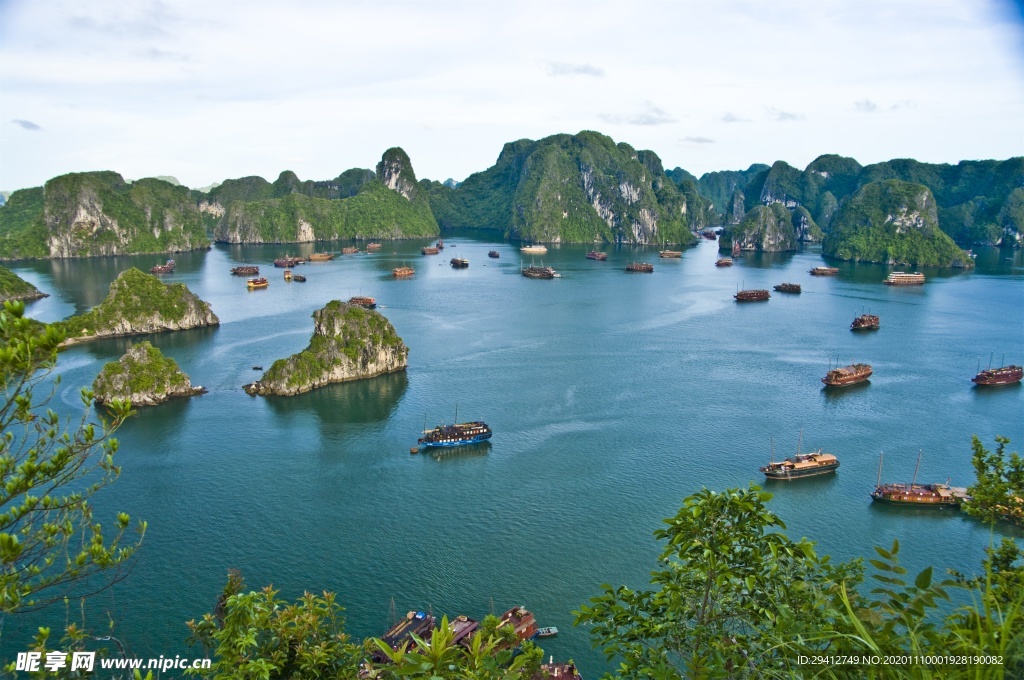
[
  {"x": 144, "y": 377},
  {"x": 349, "y": 342}
]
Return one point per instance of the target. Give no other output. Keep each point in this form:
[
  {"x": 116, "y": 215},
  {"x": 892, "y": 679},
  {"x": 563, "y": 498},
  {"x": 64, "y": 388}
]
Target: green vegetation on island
[
  {"x": 355, "y": 205},
  {"x": 976, "y": 201},
  {"x": 892, "y": 222},
  {"x": 13, "y": 287},
  {"x": 143, "y": 376},
  {"x": 139, "y": 303},
  {"x": 93, "y": 214},
  {"x": 348, "y": 343},
  {"x": 580, "y": 188}
]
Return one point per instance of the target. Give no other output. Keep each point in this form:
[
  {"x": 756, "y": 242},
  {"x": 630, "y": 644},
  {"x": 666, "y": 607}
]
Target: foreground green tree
[
  {"x": 259, "y": 636},
  {"x": 998, "y": 494},
  {"x": 50, "y": 546},
  {"x": 737, "y": 599}
]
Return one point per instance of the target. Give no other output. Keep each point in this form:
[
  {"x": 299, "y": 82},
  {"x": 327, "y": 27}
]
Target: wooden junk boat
[
  {"x": 166, "y": 268},
  {"x": 800, "y": 465},
  {"x": 534, "y": 249},
  {"x": 848, "y": 375},
  {"x": 670, "y": 253},
  {"x": 865, "y": 322},
  {"x": 708, "y": 234},
  {"x": 430, "y": 250},
  {"x": 824, "y": 271},
  {"x": 597, "y": 255},
  {"x": 557, "y": 670},
  {"x": 493, "y": 253},
  {"x": 1005, "y": 375},
  {"x": 788, "y": 288},
  {"x": 723, "y": 262},
  {"x": 932, "y": 495},
  {"x": 535, "y": 272},
  {"x": 402, "y": 272},
  {"x": 752, "y": 295},
  {"x": 288, "y": 262},
  {"x": 643, "y": 267},
  {"x": 368, "y": 302},
  {"x": 419, "y": 624},
  {"x": 374, "y": 246},
  {"x": 440, "y": 244},
  {"x": 904, "y": 279},
  {"x": 459, "y": 434},
  {"x": 459, "y": 263},
  {"x": 521, "y": 620},
  {"x": 245, "y": 270},
  {"x": 462, "y": 628},
  {"x": 321, "y": 257},
  {"x": 261, "y": 282}
]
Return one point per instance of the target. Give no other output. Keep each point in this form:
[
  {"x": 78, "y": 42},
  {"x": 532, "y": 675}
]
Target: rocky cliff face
[
  {"x": 892, "y": 222},
  {"x": 580, "y": 188},
  {"x": 140, "y": 303},
  {"x": 98, "y": 213},
  {"x": 144, "y": 377},
  {"x": 390, "y": 208},
  {"x": 348, "y": 343},
  {"x": 764, "y": 228}
]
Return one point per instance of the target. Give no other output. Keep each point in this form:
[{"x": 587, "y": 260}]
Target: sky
[{"x": 206, "y": 90}]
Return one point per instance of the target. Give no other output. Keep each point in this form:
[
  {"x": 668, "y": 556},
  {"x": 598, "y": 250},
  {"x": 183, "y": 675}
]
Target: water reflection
[{"x": 359, "y": 401}]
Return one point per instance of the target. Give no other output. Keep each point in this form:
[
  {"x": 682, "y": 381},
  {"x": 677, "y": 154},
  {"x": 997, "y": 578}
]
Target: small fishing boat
[
  {"x": 931, "y": 495},
  {"x": 723, "y": 262},
  {"x": 287, "y": 274},
  {"x": 374, "y": 246},
  {"x": 848, "y": 375},
  {"x": 643, "y": 267},
  {"x": 362, "y": 301},
  {"x": 547, "y": 631},
  {"x": 166, "y": 268},
  {"x": 402, "y": 272},
  {"x": 865, "y": 322},
  {"x": 299, "y": 278},
  {"x": 349, "y": 250},
  {"x": 494, "y": 253},
  {"x": 440, "y": 244},
  {"x": 752, "y": 295}
]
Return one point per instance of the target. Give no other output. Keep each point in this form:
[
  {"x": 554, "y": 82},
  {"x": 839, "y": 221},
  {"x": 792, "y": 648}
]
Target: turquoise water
[{"x": 612, "y": 397}]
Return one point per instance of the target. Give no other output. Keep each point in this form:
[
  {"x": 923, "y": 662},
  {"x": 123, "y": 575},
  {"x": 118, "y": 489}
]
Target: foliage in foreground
[
  {"x": 999, "y": 491},
  {"x": 737, "y": 599}
]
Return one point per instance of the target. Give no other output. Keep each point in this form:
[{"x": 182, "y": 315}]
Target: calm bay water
[{"x": 612, "y": 397}]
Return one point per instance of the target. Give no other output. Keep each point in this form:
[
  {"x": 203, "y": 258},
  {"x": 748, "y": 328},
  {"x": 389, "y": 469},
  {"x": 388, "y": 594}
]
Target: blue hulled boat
[{"x": 458, "y": 434}]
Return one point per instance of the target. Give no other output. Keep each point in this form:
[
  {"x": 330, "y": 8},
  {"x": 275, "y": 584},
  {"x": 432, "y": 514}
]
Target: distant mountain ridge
[{"x": 582, "y": 188}]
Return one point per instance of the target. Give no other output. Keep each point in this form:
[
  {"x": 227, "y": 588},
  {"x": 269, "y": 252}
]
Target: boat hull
[
  {"x": 457, "y": 442},
  {"x": 1007, "y": 375},
  {"x": 787, "y": 475}
]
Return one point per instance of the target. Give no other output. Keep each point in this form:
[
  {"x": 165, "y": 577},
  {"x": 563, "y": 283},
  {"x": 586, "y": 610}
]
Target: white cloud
[
  {"x": 26, "y": 124},
  {"x": 205, "y": 91}
]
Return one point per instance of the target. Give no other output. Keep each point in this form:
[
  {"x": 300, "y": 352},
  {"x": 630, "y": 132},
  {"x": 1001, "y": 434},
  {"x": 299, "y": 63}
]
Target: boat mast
[
  {"x": 772, "y": 439},
  {"x": 800, "y": 441},
  {"x": 916, "y": 468},
  {"x": 881, "y": 455}
]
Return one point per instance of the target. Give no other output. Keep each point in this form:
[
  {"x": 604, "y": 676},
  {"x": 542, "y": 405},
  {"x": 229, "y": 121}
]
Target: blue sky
[{"x": 207, "y": 90}]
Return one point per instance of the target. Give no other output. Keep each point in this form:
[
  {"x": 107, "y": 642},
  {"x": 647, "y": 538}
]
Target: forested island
[
  {"x": 348, "y": 343},
  {"x": 143, "y": 376},
  {"x": 582, "y": 188},
  {"x": 13, "y": 287},
  {"x": 139, "y": 303}
]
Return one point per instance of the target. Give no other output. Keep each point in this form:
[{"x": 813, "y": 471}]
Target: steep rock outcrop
[
  {"x": 892, "y": 222},
  {"x": 348, "y": 343},
  {"x": 143, "y": 376},
  {"x": 580, "y": 188},
  {"x": 139, "y": 303},
  {"x": 375, "y": 210},
  {"x": 767, "y": 228}
]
